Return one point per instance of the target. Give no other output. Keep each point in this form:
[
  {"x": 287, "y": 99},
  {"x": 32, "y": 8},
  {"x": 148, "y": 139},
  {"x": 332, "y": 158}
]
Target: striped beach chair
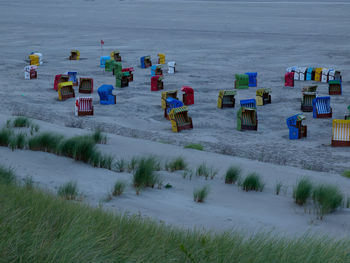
[
  {"x": 83, "y": 106},
  {"x": 251, "y": 103},
  {"x": 253, "y": 82},
  {"x": 86, "y": 85},
  {"x": 341, "y": 133},
  {"x": 306, "y": 101},
  {"x": 65, "y": 90},
  {"x": 179, "y": 119},
  {"x": 334, "y": 87},
  {"x": 226, "y": 99},
  {"x": 321, "y": 107},
  {"x": 247, "y": 119},
  {"x": 241, "y": 81},
  {"x": 296, "y": 129}
]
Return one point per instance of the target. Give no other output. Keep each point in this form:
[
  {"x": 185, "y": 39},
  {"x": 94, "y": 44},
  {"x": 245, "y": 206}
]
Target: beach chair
[
  {"x": 65, "y": 90},
  {"x": 179, "y": 119},
  {"x": 250, "y": 103},
  {"x": 308, "y": 95},
  {"x": 318, "y": 74},
  {"x": 341, "y": 133},
  {"x": 247, "y": 119},
  {"x": 226, "y": 99},
  {"x": 309, "y": 74},
  {"x": 171, "y": 103},
  {"x": 83, "y": 106},
  {"x": 115, "y": 55},
  {"x": 110, "y": 64},
  {"x": 38, "y": 57},
  {"x": 289, "y": 79},
  {"x": 171, "y": 67},
  {"x": 252, "y": 77},
  {"x": 321, "y": 107},
  {"x": 156, "y": 70},
  {"x": 130, "y": 71},
  {"x": 296, "y": 73},
  {"x": 157, "y": 83},
  {"x": 161, "y": 58},
  {"x": 117, "y": 67},
  {"x": 74, "y": 55},
  {"x": 188, "y": 95},
  {"x": 324, "y": 77},
  {"x": 334, "y": 87},
  {"x": 73, "y": 77},
  {"x": 103, "y": 60},
  {"x": 30, "y": 72},
  {"x": 168, "y": 94},
  {"x": 106, "y": 95},
  {"x": 58, "y": 79},
  {"x": 263, "y": 97},
  {"x": 302, "y": 73},
  {"x": 122, "y": 79},
  {"x": 86, "y": 85},
  {"x": 334, "y": 75},
  {"x": 145, "y": 61},
  {"x": 241, "y": 81},
  {"x": 347, "y": 117},
  {"x": 34, "y": 60},
  {"x": 296, "y": 129}
]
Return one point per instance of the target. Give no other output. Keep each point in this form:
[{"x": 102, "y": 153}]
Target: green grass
[
  {"x": 121, "y": 165},
  {"x": 18, "y": 141},
  {"x": 45, "y": 142},
  {"x": 177, "y": 164},
  {"x": 302, "y": 191},
  {"x": 195, "y": 146},
  {"x": 328, "y": 198},
  {"x": 68, "y": 191},
  {"x": 144, "y": 175},
  {"x": 200, "y": 194},
  {"x": 7, "y": 176},
  {"x": 118, "y": 188},
  {"x": 21, "y": 122},
  {"x": 132, "y": 164},
  {"x": 99, "y": 137},
  {"x": 232, "y": 174},
  {"x": 278, "y": 188},
  {"x": 253, "y": 182},
  {"x": 38, "y": 227},
  {"x": 5, "y": 137},
  {"x": 206, "y": 171},
  {"x": 346, "y": 173}
]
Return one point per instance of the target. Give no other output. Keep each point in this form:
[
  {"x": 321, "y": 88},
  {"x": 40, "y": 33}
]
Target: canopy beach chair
[
  {"x": 334, "y": 75},
  {"x": 117, "y": 67},
  {"x": 171, "y": 103},
  {"x": 250, "y": 103},
  {"x": 115, "y": 55},
  {"x": 318, "y": 74},
  {"x": 74, "y": 55},
  {"x": 86, "y": 85},
  {"x": 325, "y": 72},
  {"x": 168, "y": 94},
  {"x": 289, "y": 79},
  {"x": 157, "y": 83},
  {"x": 302, "y": 73},
  {"x": 252, "y": 76},
  {"x": 296, "y": 129},
  {"x": 341, "y": 133},
  {"x": 226, "y": 99},
  {"x": 103, "y": 60},
  {"x": 106, "y": 95},
  {"x": 130, "y": 71},
  {"x": 73, "y": 77},
  {"x": 34, "y": 59},
  {"x": 83, "y": 106},
  {"x": 308, "y": 94},
  {"x": 179, "y": 119},
  {"x": 347, "y": 117},
  {"x": 156, "y": 70},
  {"x": 263, "y": 97},
  {"x": 65, "y": 90},
  {"x": 309, "y": 74},
  {"x": 161, "y": 58},
  {"x": 241, "y": 81},
  {"x": 171, "y": 67},
  {"x": 247, "y": 119},
  {"x": 188, "y": 95},
  {"x": 334, "y": 87},
  {"x": 122, "y": 79},
  {"x": 321, "y": 107},
  {"x": 58, "y": 79},
  {"x": 145, "y": 61},
  {"x": 30, "y": 72}
]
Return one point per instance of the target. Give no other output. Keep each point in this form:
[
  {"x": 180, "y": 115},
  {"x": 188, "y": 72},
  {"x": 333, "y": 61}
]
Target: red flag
[{"x": 102, "y": 42}]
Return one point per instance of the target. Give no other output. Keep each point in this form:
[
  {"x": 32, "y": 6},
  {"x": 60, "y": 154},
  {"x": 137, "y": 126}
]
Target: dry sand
[{"x": 210, "y": 42}]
